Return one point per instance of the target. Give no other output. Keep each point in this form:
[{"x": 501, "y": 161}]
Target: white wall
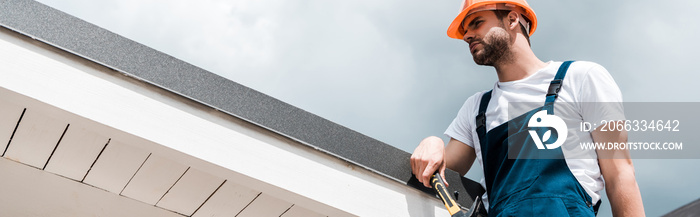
[{"x": 191, "y": 134}]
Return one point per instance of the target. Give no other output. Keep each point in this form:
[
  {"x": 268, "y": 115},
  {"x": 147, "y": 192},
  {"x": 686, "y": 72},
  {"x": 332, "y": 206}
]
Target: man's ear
[{"x": 513, "y": 20}]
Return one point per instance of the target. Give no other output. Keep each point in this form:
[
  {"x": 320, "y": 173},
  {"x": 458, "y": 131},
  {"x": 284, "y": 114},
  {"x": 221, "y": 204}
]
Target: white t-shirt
[{"x": 584, "y": 82}]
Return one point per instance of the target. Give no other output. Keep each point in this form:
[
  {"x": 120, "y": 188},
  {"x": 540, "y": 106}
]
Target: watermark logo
[
  {"x": 654, "y": 130},
  {"x": 542, "y": 119}
]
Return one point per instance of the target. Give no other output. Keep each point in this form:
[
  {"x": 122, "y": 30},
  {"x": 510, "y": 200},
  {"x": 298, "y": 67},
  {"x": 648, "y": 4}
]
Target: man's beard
[{"x": 496, "y": 48}]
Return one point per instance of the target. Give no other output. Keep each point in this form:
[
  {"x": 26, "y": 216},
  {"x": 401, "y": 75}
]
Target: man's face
[{"x": 489, "y": 42}]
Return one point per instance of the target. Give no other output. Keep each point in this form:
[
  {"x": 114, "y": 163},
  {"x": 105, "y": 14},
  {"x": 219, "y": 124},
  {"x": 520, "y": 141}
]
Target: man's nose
[{"x": 468, "y": 37}]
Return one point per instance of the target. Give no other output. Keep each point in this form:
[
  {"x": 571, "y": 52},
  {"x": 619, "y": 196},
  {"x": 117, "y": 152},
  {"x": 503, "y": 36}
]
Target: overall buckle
[{"x": 554, "y": 87}]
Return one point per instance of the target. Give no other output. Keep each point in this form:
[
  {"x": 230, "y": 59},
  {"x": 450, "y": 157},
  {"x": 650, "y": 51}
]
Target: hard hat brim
[{"x": 455, "y": 30}]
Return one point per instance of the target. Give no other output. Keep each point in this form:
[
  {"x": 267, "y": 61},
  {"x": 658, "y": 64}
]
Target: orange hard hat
[{"x": 472, "y": 6}]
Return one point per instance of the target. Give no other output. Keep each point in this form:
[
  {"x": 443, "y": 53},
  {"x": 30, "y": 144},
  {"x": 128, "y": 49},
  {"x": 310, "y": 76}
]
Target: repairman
[{"x": 524, "y": 173}]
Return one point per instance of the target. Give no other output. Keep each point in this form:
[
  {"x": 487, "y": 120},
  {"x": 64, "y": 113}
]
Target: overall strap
[
  {"x": 555, "y": 86},
  {"x": 481, "y": 116}
]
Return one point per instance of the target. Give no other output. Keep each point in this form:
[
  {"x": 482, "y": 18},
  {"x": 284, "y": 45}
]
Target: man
[{"x": 559, "y": 184}]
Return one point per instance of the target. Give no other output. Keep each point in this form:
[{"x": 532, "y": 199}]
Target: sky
[{"x": 388, "y": 70}]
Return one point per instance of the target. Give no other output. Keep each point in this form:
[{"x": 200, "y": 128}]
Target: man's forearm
[
  {"x": 623, "y": 193},
  {"x": 618, "y": 172}
]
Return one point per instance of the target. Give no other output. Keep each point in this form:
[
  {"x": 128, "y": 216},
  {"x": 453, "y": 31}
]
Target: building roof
[
  {"x": 690, "y": 209},
  {"x": 150, "y": 66}
]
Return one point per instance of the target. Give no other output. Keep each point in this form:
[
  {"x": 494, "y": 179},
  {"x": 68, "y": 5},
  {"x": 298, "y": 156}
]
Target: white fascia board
[
  {"x": 28, "y": 191},
  {"x": 261, "y": 159}
]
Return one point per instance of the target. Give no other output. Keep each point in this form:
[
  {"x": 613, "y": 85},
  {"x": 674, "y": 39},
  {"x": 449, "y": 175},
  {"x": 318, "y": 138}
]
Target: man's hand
[
  {"x": 431, "y": 155},
  {"x": 428, "y": 157}
]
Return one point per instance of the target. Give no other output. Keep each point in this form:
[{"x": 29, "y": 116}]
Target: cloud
[{"x": 647, "y": 46}]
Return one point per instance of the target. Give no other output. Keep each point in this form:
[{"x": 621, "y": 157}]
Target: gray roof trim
[
  {"x": 690, "y": 209},
  {"x": 96, "y": 44}
]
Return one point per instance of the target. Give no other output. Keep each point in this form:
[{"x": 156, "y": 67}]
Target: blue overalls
[{"x": 537, "y": 182}]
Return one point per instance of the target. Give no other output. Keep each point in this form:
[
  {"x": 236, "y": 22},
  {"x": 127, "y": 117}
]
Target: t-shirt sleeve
[
  {"x": 600, "y": 97},
  {"x": 461, "y": 127}
]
